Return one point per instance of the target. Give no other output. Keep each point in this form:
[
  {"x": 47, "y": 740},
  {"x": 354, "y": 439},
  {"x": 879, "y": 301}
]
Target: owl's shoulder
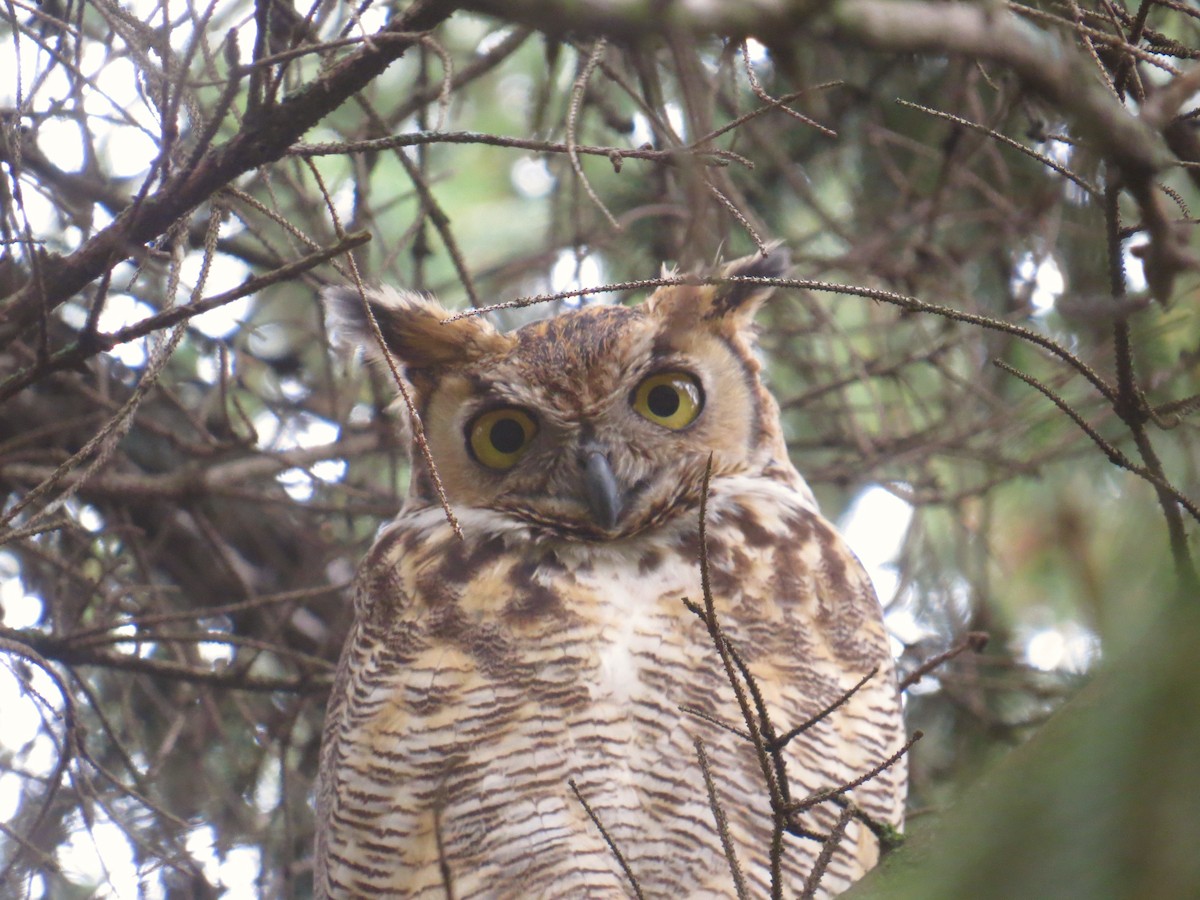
[
  {"x": 775, "y": 556},
  {"x": 775, "y": 523}
]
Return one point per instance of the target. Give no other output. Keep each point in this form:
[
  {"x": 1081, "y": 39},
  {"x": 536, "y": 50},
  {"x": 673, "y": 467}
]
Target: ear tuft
[
  {"x": 744, "y": 299},
  {"x": 412, "y": 327},
  {"x": 734, "y": 303}
]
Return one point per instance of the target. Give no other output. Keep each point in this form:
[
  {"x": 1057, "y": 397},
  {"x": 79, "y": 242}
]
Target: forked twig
[
  {"x": 823, "y": 796},
  {"x": 761, "y": 93},
  {"x": 769, "y": 748},
  {"x": 784, "y": 739},
  {"x": 767, "y": 763},
  {"x": 1115, "y": 456}
]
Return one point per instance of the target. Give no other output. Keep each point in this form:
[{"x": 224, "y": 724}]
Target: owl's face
[{"x": 593, "y": 425}]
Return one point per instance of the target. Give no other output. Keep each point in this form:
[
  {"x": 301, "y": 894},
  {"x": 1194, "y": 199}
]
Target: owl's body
[{"x": 552, "y": 642}]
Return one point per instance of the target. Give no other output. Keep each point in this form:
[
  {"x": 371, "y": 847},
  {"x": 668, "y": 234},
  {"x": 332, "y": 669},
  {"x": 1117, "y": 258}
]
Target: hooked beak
[{"x": 600, "y": 486}]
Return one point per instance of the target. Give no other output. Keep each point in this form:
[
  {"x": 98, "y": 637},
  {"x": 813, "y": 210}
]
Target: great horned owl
[{"x": 552, "y": 642}]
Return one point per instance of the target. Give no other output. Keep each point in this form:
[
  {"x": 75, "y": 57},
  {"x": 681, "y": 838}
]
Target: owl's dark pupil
[
  {"x": 663, "y": 401},
  {"x": 507, "y": 436}
]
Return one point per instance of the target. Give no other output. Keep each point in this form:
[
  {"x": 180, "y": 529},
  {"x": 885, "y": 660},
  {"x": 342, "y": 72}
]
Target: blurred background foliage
[{"x": 186, "y": 494}]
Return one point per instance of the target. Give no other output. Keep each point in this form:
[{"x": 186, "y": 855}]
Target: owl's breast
[
  {"x": 484, "y": 674},
  {"x": 630, "y": 603}
]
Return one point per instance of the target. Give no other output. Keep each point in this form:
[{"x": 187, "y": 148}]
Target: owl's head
[{"x": 593, "y": 425}]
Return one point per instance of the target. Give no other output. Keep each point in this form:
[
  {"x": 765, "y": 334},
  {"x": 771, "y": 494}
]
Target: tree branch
[{"x": 263, "y": 138}]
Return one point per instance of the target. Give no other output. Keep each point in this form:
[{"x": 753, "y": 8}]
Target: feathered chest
[
  {"x": 484, "y": 674},
  {"x": 521, "y": 612},
  {"x": 608, "y": 620}
]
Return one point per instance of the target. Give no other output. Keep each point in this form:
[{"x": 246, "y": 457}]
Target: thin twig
[
  {"x": 1115, "y": 456},
  {"x": 66, "y": 746},
  {"x": 577, "y": 92},
  {"x": 975, "y": 642},
  {"x": 612, "y": 846},
  {"x": 714, "y": 804},
  {"x": 707, "y": 155},
  {"x": 784, "y": 739},
  {"x": 1008, "y": 142},
  {"x": 901, "y": 300},
  {"x": 77, "y": 353},
  {"x": 414, "y": 417},
  {"x": 765, "y": 760},
  {"x": 825, "y": 796},
  {"x": 696, "y": 711},
  {"x": 821, "y": 864},
  {"x": 763, "y": 247}
]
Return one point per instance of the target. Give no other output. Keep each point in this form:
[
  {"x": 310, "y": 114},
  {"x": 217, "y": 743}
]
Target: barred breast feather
[{"x": 481, "y": 675}]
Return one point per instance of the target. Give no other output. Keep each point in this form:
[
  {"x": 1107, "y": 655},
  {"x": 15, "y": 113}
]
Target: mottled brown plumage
[{"x": 552, "y": 643}]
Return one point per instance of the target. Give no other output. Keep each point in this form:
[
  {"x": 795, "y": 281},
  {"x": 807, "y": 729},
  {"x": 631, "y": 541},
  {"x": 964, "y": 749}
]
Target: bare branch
[{"x": 267, "y": 137}]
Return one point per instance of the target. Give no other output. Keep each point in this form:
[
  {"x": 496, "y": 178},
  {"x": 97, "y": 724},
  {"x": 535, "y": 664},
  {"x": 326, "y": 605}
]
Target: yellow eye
[
  {"x": 670, "y": 399},
  {"x": 499, "y": 437}
]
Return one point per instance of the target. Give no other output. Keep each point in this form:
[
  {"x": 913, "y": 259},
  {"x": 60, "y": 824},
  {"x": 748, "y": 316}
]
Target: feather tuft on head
[
  {"x": 730, "y": 305},
  {"x": 412, "y": 326}
]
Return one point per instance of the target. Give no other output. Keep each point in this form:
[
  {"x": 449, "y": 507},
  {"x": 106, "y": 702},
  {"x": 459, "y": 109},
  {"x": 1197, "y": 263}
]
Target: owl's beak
[{"x": 600, "y": 486}]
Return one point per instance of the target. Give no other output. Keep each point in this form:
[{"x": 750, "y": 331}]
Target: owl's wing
[{"x": 800, "y": 609}]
